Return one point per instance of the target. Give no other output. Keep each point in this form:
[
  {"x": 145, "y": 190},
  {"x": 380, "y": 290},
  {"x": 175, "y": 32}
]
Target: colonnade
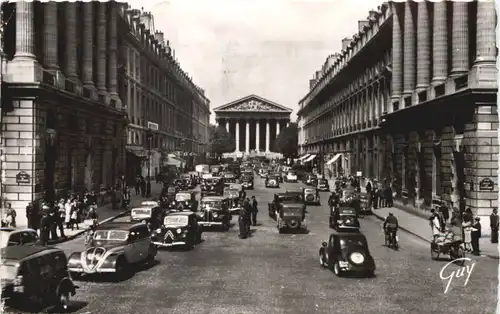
[{"x": 253, "y": 129}]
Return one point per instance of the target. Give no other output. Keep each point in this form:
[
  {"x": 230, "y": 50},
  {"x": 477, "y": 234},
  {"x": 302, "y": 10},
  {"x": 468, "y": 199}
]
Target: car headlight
[
  {"x": 179, "y": 230},
  {"x": 186, "y": 202},
  {"x": 158, "y": 230},
  {"x": 357, "y": 258},
  {"x": 173, "y": 203},
  {"x": 216, "y": 215}
]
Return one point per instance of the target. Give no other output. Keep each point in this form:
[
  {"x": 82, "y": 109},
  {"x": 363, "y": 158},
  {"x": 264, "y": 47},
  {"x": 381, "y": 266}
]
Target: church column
[
  {"x": 409, "y": 50},
  {"x": 277, "y": 128},
  {"x": 25, "y": 39},
  {"x": 237, "y": 131},
  {"x": 101, "y": 48},
  {"x": 257, "y": 135},
  {"x": 460, "y": 38},
  {"x": 485, "y": 33},
  {"x": 112, "y": 63},
  {"x": 70, "y": 40},
  {"x": 397, "y": 57},
  {"x": 268, "y": 133},
  {"x": 88, "y": 45},
  {"x": 50, "y": 36},
  {"x": 440, "y": 44},
  {"x": 247, "y": 136},
  {"x": 227, "y": 126},
  {"x": 423, "y": 47}
]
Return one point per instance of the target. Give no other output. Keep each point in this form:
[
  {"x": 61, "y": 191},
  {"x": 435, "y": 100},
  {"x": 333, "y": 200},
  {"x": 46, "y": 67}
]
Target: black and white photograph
[{"x": 249, "y": 157}]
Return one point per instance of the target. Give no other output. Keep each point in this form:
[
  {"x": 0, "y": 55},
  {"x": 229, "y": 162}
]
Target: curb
[
  {"x": 379, "y": 217},
  {"x": 76, "y": 235}
]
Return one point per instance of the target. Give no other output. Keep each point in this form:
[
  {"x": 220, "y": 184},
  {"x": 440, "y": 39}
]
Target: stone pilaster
[
  {"x": 257, "y": 136},
  {"x": 237, "y": 132},
  {"x": 88, "y": 45},
  {"x": 112, "y": 53},
  {"x": 247, "y": 136},
  {"x": 101, "y": 54},
  {"x": 440, "y": 43},
  {"x": 423, "y": 47},
  {"x": 268, "y": 133},
  {"x": 70, "y": 68},
  {"x": 460, "y": 38},
  {"x": 277, "y": 128},
  {"x": 409, "y": 50},
  {"x": 50, "y": 40},
  {"x": 486, "y": 37},
  {"x": 25, "y": 35},
  {"x": 227, "y": 126},
  {"x": 397, "y": 55}
]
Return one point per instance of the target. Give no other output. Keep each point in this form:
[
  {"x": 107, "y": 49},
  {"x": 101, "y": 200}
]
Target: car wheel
[{"x": 336, "y": 269}]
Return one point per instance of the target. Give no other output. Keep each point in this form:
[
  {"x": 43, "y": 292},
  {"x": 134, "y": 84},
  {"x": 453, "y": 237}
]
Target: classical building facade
[
  {"x": 411, "y": 99},
  {"x": 159, "y": 96},
  {"x": 62, "y": 118},
  {"x": 254, "y": 122}
]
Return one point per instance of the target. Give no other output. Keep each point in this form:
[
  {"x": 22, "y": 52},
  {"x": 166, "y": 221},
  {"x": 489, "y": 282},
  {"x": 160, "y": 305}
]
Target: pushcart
[{"x": 448, "y": 246}]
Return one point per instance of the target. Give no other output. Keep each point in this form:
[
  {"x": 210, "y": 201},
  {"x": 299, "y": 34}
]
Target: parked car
[
  {"x": 14, "y": 237},
  {"x": 272, "y": 181},
  {"x": 185, "y": 200},
  {"x": 311, "y": 196},
  {"x": 36, "y": 273},
  {"x": 178, "y": 229},
  {"x": 323, "y": 185},
  {"x": 214, "y": 211},
  {"x": 114, "y": 248},
  {"x": 347, "y": 253},
  {"x": 291, "y": 216}
]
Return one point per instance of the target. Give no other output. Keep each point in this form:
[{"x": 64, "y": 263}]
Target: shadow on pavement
[
  {"x": 111, "y": 277},
  {"x": 28, "y": 306}
]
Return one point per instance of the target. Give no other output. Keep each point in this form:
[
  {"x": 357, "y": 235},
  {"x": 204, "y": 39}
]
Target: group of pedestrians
[{"x": 248, "y": 216}]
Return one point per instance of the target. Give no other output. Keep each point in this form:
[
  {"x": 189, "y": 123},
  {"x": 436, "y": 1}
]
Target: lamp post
[{"x": 149, "y": 137}]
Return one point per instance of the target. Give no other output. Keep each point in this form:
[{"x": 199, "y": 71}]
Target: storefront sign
[
  {"x": 23, "y": 177},
  {"x": 486, "y": 185}
]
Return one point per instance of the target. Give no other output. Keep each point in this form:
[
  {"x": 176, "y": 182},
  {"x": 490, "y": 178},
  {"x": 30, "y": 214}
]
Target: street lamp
[{"x": 149, "y": 137}]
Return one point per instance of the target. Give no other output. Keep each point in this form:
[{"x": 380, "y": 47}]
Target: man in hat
[
  {"x": 494, "y": 225},
  {"x": 45, "y": 225},
  {"x": 475, "y": 235}
]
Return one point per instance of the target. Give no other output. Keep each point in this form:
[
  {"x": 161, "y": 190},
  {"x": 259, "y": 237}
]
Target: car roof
[
  {"x": 213, "y": 198},
  {"x": 118, "y": 226},
  {"x": 181, "y": 214},
  {"x": 185, "y": 192},
  {"x": 17, "y": 252},
  {"x": 9, "y": 229},
  {"x": 348, "y": 234}
]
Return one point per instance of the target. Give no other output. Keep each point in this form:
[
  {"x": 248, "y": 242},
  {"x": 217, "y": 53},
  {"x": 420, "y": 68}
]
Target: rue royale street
[{"x": 280, "y": 273}]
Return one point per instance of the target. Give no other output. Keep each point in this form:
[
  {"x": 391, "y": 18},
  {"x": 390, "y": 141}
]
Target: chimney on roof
[
  {"x": 160, "y": 38},
  {"x": 346, "y": 42},
  {"x": 312, "y": 83},
  {"x": 361, "y": 25},
  {"x": 318, "y": 75},
  {"x": 372, "y": 14}
]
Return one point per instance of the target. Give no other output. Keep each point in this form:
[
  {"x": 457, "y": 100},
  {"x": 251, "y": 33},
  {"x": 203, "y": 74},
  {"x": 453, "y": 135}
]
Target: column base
[
  {"x": 483, "y": 75},
  {"x": 103, "y": 97},
  {"x": 23, "y": 69}
]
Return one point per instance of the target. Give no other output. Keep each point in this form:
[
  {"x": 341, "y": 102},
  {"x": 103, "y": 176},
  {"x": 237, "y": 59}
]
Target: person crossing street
[{"x": 255, "y": 210}]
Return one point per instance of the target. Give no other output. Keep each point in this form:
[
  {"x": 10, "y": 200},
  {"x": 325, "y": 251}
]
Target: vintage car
[
  {"x": 347, "y": 253},
  {"x": 14, "y": 237},
  {"x": 344, "y": 218},
  {"x": 179, "y": 183},
  {"x": 228, "y": 178},
  {"x": 363, "y": 199},
  {"x": 323, "y": 185},
  {"x": 188, "y": 182},
  {"x": 288, "y": 197},
  {"x": 167, "y": 196},
  {"x": 184, "y": 201},
  {"x": 214, "y": 211},
  {"x": 291, "y": 216},
  {"x": 291, "y": 176},
  {"x": 263, "y": 173},
  {"x": 247, "y": 181},
  {"x": 36, "y": 273},
  {"x": 212, "y": 186},
  {"x": 311, "y": 196},
  {"x": 272, "y": 181},
  {"x": 277, "y": 175},
  {"x": 113, "y": 248},
  {"x": 149, "y": 213},
  {"x": 178, "y": 229},
  {"x": 310, "y": 179}
]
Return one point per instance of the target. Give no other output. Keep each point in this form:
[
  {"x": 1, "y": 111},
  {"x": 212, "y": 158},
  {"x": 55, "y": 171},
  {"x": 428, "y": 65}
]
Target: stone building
[
  {"x": 158, "y": 95},
  {"x": 255, "y": 123},
  {"x": 411, "y": 99},
  {"x": 62, "y": 118}
]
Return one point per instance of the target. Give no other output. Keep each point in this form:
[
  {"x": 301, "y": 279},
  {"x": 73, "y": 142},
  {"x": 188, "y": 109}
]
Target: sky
[{"x": 271, "y": 48}]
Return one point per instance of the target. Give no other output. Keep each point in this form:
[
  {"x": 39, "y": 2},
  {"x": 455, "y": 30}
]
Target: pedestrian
[
  {"x": 137, "y": 185},
  {"x": 255, "y": 210},
  {"x": 126, "y": 198},
  {"x": 44, "y": 226},
  {"x": 248, "y": 213},
  {"x": 443, "y": 209},
  {"x": 475, "y": 235},
  {"x": 242, "y": 223},
  {"x": 60, "y": 218},
  {"x": 29, "y": 214},
  {"x": 74, "y": 217},
  {"x": 435, "y": 223},
  {"x": 494, "y": 223},
  {"x": 388, "y": 196},
  {"x": 10, "y": 216},
  {"x": 67, "y": 216},
  {"x": 375, "y": 197},
  {"x": 368, "y": 187},
  {"x": 53, "y": 222}
]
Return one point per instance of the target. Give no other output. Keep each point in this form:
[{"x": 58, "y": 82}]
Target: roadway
[{"x": 280, "y": 273}]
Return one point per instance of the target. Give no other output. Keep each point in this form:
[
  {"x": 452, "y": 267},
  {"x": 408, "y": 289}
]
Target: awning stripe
[
  {"x": 310, "y": 158},
  {"x": 334, "y": 159},
  {"x": 304, "y": 157}
]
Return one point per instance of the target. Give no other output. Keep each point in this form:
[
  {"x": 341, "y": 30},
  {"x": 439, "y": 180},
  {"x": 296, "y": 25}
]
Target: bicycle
[{"x": 391, "y": 239}]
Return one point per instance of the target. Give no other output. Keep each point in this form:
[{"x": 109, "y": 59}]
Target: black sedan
[{"x": 347, "y": 253}]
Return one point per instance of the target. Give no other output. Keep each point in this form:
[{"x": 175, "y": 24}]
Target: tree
[
  {"x": 287, "y": 142},
  {"x": 220, "y": 141}
]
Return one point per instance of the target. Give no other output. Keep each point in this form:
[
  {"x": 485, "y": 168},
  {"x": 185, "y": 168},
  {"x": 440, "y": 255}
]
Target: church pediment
[{"x": 252, "y": 104}]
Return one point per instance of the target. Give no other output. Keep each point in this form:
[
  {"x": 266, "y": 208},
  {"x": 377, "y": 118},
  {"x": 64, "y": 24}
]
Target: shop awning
[
  {"x": 310, "y": 158},
  {"x": 334, "y": 159},
  {"x": 304, "y": 157},
  {"x": 137, "y": 151},
  {"x": 174, "y": 160}
]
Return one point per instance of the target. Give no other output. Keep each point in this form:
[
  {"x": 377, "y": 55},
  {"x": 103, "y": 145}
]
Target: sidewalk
[
  {"x": 107, "y": 213},
  {"x": 419, "y": 227}
]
